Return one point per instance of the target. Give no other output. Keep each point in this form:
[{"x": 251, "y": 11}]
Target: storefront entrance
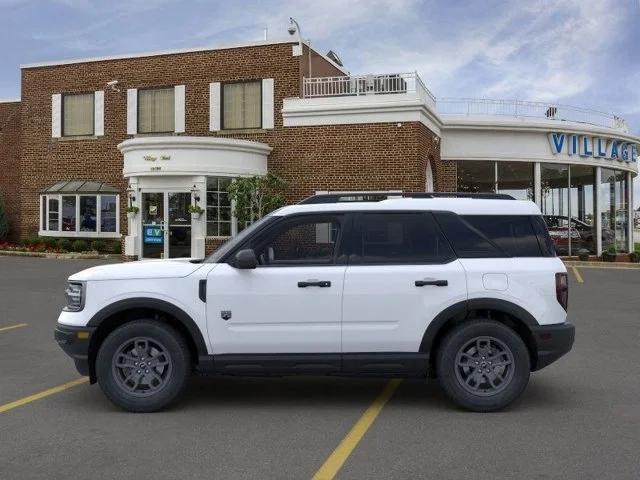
[{"x": 166, "y": 225}]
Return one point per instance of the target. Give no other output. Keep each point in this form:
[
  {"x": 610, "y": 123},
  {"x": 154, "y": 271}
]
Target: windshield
[{"x": 237, "y": 240}]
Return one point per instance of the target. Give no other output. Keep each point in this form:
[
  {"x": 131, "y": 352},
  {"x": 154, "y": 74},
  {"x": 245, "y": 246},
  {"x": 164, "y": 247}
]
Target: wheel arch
[
  {"x": 508, "y": 313},
  {"x": 124, "y": 311}
]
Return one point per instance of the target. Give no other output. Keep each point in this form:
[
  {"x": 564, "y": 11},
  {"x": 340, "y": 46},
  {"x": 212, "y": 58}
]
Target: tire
[
  {"x": 139, "y": 383},
  {"x": 501, "y": 356}
]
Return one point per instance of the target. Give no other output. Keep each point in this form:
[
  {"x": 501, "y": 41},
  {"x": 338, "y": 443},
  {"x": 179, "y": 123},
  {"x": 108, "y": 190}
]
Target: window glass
[
  {"x": 69, "y": 213},
  {"x": 77, "y": 116},
  {"x": 476, "y": 176},
  {"x": 581, "y": 206},
  {"x": 467, "y": 241},
  {"x": 53, "y": 213},
  {"x": 512, "y": 233},
  {"x": 399, "y": 238},
  {"x": 156, "y": 110},
  {"x": 218, "y": 207},
  {"x": 242, "y": 105},
  {"x": 555, "y": 205},
  {"x": 108, "y": 213},
  {"x": 516, "y": 179},
  {"x": 614, "y": 207},
  {"x": 301, "y": 242},
  {"x": 87, "y": 213}
]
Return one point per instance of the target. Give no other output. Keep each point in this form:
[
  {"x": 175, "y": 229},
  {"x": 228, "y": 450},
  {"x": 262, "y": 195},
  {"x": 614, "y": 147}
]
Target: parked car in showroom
[{"x": 463, "y": 287}]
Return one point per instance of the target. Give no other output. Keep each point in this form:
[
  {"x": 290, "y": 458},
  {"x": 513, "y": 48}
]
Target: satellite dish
[{"x": 334, "y": 56}]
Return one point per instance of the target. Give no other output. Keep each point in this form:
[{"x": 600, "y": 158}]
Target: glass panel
[
  {"x": 156, "y": 110},
  {"x": 242, "y": 105},
  {"x": 399, "y": 238},
  {"x": 608, "y": 209},
  {"x": 516, "y": 179},
  {"x": 53, "y": 213},
  {"x": 69, "y": 213},
  {"x": 476, "y": 176},
  {"x": 153, "y": 225},
  {"x": 218, "y": 207},
  {"x": 512, "y": 233},
  {"x": 582, "y": 202},
  {"x": 108, "y": 207},
  {"x": 87, "y": 214},
  {"x": 179, "y": 225},
  {"x": 554, "y": 180},
  {"x": 77, "y": 114},
  {"x": 43, "y": 214}
]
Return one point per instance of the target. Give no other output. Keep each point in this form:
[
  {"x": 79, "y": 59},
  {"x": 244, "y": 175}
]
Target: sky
[{"x": 577, "y": 52}]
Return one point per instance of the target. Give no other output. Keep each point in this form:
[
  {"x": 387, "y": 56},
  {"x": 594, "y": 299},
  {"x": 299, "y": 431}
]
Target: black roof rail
[{"x": 344, "y": 197}]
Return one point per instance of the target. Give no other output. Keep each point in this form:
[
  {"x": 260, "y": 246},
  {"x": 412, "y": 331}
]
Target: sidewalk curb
[{"x": 610, "y": 265}]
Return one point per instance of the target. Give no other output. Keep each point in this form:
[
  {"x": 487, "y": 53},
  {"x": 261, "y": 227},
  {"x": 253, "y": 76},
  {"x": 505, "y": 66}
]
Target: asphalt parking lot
[{"x": 578, "y": 418}]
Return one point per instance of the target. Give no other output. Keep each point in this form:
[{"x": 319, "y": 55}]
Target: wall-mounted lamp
[
  {"x": 132, "y": 193},
  {"x": 195, "y": 192}
]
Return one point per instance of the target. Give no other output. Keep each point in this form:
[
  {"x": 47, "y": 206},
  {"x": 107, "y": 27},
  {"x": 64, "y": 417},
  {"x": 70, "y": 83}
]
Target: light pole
[{"x": 294, "y": 27}]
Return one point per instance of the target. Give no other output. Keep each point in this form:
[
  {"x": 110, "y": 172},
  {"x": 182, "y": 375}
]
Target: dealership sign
[{"x": 591, "y": 146}]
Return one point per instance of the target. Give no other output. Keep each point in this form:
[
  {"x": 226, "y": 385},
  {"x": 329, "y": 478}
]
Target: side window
[
  {"x": 467, "y": 241},
  {"x": 309, "y": 240},
  {"x": 399, "y": 238},
  {"x": 512, "y": 233}
]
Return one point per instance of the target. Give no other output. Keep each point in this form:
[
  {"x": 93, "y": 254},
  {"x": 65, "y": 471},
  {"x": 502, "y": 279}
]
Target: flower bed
[{"x": 48, "y": 245}]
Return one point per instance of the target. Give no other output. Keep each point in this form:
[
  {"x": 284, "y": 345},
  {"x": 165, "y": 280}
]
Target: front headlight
[{"x": 74, "y": 293}]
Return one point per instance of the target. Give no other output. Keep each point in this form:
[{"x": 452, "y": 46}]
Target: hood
[{"x": 175, "y": 268}]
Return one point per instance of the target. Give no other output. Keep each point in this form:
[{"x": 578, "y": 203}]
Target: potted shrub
[
  {"x": 583, "y": 254},
  {"x": 195, "y": 211},
  {"x": 610, "y": 254},
  {"x": 132, "y": 211}
]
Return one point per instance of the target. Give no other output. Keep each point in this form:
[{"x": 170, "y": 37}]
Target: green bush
[
  {"x": 117, "y": 248},
  {"x": 50, "y": 242},
  {"x": 79, "y": 246},
  {"x": 98, "y": 245},
  {"x": 64, "y": 244},
  {"x": 30, "y": 241}
]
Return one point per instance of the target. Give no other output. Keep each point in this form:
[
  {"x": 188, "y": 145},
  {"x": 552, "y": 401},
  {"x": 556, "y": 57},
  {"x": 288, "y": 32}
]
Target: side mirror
[{"x": 246, "y": 259}]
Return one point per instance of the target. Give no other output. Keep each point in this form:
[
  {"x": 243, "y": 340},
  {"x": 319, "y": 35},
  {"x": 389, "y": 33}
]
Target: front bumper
[
  {"x": 552, "y": 341},
  {"x": 74, "y": 341}
]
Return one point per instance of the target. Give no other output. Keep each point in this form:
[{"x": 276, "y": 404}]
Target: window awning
[{"x": 81, "y": 186}]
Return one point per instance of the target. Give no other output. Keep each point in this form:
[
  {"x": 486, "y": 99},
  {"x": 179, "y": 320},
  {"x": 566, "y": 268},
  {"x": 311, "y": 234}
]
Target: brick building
[{"x": 160, "y": 131}]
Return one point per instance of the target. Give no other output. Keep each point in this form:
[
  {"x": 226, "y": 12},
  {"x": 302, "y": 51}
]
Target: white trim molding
[
  {"x": 214, "y": 107},
  {"x": 132, "y": 111},
  {"x": 56, "y": 115},
  {"x": 267, "y": 103},
  {"x": 179, "y": 108},
  {"x": 98, "y": 113}
]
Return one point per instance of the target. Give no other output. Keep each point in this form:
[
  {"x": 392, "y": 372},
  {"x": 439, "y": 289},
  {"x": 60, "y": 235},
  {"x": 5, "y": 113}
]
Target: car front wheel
[
  {"x": 143, "y": 366},
  {"x": 483, "y": 365}
]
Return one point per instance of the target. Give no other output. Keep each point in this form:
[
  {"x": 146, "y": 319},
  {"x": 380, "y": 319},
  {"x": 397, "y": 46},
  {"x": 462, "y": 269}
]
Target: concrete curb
[
  {"x": 611, "y": 265},
  {"x": 61, "y": 256}
]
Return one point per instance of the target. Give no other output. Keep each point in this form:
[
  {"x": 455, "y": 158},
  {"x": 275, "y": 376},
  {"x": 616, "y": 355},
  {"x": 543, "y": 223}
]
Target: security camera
[
  {"x": 291, "y": 29},
  {"x": 112, "y": 85}
]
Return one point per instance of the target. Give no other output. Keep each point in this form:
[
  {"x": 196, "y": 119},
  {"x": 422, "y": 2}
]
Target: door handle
[
  {"x": 437, "y": 283},
  {"x": 314, "y": 283}
]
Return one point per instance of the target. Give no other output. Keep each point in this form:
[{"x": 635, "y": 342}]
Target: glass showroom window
[
  {"x": 476, "y": 176},
  {"x": 78, "y": 215},
  {"x": 77, "y": 114},
  {"x": 554, "y": 182},
  {"x": 156, "y": 110},
  {"x": 614, "y": 207},
  {"x": 582, "y": 202},
  {"x": 242, "y": 105},
  {"x": 219, "y": 222},
  {"x": 516, "y": 179}
]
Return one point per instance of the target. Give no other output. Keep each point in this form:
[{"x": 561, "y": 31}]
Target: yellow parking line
[
  {"x": 577, "y": 274},
  {"x": 19, "y": 325},
  {"x": 334, "y": 463},
  {"x": 45, "y": 393}
]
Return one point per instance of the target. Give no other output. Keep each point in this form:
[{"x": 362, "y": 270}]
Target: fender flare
[
  {"x": 153, "y": 304},
  {"x": 460, "y": 310}
]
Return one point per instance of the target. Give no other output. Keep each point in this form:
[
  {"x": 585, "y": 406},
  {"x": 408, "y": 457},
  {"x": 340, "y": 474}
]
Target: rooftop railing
[
  {"x": 524, "y": 109},
  {"x": 411, "y": 83},
  {"x": 356, "y": 85}
]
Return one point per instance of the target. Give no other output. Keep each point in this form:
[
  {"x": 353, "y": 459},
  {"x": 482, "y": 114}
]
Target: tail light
[{"x": 562, "y": 289}]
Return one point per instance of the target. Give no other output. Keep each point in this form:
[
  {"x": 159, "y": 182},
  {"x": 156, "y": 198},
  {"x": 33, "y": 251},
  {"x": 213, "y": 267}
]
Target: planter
[
  {"x": 634, "y": 257},
  {"x": 131, "y": 215},
  {"x": 195, "y": 215},
  {"x": 609, "y": 257}
]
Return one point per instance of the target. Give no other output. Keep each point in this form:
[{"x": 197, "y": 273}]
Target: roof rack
[{"x": 344, "y": 197}]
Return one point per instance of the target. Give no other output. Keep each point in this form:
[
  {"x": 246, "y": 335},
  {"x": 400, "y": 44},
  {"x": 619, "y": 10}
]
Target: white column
[
  {"x": 199, "y": 226},
  {"x": 630, "y": 212},
  {"x": 537, "y": 184},
  {"x": 598, "y": 213}
]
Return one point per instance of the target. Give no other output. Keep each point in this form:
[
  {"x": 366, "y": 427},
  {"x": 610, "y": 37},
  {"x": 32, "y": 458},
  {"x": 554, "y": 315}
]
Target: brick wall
[{"x": 9, "y": 163}]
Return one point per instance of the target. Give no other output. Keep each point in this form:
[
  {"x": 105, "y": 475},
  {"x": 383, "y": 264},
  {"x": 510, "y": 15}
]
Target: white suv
[{"x": 467, "y": 289}]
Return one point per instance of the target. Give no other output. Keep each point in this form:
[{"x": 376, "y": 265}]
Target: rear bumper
[
  {"x": 74, "y": 341},
  {"x": 552, "y": 341}
]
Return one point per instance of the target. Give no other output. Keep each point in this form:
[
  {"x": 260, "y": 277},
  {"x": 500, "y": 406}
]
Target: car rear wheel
[
  {"x": 483, "y": 365},
  {"x": 143, "y": 366}
]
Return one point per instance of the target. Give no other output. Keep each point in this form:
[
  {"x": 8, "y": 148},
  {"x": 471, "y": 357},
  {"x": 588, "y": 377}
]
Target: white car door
[
  {"x": 401, "y": 274},
  {"x": 290, "y": 303}
]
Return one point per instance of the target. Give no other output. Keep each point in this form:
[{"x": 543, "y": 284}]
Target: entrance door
[{"x": 166, "y": 225}]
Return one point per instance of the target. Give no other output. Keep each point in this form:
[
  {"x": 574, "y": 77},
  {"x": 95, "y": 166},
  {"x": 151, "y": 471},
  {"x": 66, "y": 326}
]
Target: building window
[
  {"x": 242, "y": 105},
  {"x": 614, "y": 207},
  {"x": 516, "y": 179},
  {"x": 476, "y": 176},
  {"x": 219, "y": 223},
  {"x": 156, "y": 110},
  {"x": 78, "y": 216},
  {"x": 78, "y": 114},
  {"x": 582, "y": 200}
]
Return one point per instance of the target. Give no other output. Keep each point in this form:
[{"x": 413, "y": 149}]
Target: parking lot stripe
[
  {"x": 11, "y": 327},
  {"x": 45, "y": 393},
  {"x": 334, "y": 463},
  {"x": 577, "y": 274}
]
